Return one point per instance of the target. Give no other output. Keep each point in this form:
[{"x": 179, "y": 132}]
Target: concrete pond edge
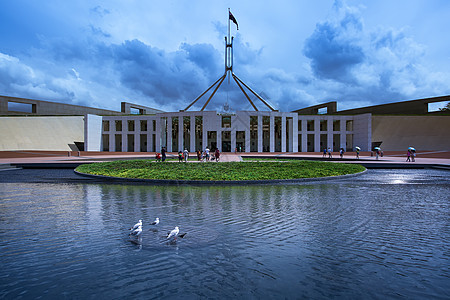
[{"x": 217, "y": 182}]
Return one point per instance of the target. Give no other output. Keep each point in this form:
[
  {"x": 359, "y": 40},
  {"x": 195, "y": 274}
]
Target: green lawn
[{"x": 148, "y": 169}]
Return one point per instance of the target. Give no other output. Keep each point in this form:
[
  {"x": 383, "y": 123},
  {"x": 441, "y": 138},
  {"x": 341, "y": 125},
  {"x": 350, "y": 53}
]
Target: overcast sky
[{"x": 164, "y": 54}]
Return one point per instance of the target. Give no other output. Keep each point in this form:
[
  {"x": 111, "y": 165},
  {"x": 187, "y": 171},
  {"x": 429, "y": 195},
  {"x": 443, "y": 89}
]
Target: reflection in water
[{"x": 378, "y": 235}]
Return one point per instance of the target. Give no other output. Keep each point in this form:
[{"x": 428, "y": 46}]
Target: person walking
[
  {"x": 163, "y": 154},
  {"x": 341, "y": 153},
  {"x": 180, "y": 156},
  {"x": 324, "y": 153},
  {"x": 329, "y": 153},
  {"x": 207, "y": 153},
  {"x": 186, "y": 155},
  {"x": 217, "y": 155},
  {"x": 408, "y": 155},
  {"x": 357, "y": 153}
]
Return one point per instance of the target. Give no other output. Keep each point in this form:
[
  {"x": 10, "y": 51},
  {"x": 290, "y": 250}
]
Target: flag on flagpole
[{"x": 232, "y": 18}]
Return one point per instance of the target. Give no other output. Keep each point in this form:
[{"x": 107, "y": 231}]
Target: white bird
[
  {"x": 173, "y": 233},
  {"x": 156, "y": 222},
  {"x": 136, "y": 225},
  {"x": 137, "y": 231}
]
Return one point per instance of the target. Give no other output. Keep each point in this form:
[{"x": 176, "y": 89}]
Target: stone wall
[{"x": 422, "y": 132}]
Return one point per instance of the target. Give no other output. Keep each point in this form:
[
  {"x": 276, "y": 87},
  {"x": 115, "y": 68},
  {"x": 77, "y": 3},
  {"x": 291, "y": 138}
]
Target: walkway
[{"x": 73, "y": 159}]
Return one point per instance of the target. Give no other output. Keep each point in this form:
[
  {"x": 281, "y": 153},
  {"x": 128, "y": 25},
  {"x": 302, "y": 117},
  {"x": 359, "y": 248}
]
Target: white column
[
  {"x": 192, "y": 135},
  {"x": 233, "y": 139},
  {"x": 219, "y": 140},
  {"x": 272, "y": 133},
  {"x": 124, "y": 139},
  {"x": 92, "y": 132},
  {"x": 180, "y": 133},
  {"x": 158, "y": 134},
  {"x": 316, "y": 135},
  {"x": 291, "y": 135},
  {"x": 204, "y": 135},
  {"x": 137, "y": 135},
  {"x": 260, "y": 133},
  {"x": 283, "y": 134},
  {"x": 343, "y": 137},
  {"x": 330, "y": 133},
  {"x": 169, "y": 134},
  {"x": 304, "y": 136},
  {"x": 247, "y": 138},
  {"x": 112, "y": 135}
]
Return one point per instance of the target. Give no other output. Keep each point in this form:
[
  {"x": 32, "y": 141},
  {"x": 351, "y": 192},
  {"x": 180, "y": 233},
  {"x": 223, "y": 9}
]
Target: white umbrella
[
  {"x": 377, "y": 148},
  {"x": 411, "y": 148},
  {"x": 357, "y": 148}
]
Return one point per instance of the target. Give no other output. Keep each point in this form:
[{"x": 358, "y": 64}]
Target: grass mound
[{"x": 147, "y": 169}]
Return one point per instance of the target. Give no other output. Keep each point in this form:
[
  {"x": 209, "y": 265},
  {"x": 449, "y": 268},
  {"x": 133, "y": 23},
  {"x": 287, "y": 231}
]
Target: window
[{"x": 226, "y": 121}]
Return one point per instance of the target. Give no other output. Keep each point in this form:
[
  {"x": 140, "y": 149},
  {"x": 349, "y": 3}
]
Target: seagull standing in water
[
  {"x": 136, "y": 225},
  {"x": 173, "y": 233},
  {"x": 156, "y": 222},
  {"x": 137, "y": 232}
]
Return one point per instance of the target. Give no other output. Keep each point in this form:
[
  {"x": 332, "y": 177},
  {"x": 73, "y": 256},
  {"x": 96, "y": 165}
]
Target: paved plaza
[{"x": 60, "y": 158}]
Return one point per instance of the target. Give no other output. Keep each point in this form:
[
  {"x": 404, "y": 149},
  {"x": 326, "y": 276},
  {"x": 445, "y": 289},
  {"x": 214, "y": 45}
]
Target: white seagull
[
  {"x": 136, "y": 225},
  {"x": 173, "y": 233},
  {"x": 156, "y": 222},
  {"x": 137, "y": 231}
]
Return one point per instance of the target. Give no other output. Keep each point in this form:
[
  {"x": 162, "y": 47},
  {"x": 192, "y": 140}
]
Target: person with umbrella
[
  {"x": 377, "y": 152},
  {"x": 411, "y": 154},
  {"x": 357, "y": 152}
]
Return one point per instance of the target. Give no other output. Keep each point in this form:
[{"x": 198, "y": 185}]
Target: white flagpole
[{"x": 228, "y": 48}]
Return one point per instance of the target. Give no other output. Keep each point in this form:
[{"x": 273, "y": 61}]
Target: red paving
[{"x": 17, "y": 157}]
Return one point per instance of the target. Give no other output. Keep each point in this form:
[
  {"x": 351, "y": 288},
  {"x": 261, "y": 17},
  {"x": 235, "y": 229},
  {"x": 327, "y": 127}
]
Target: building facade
[{"x": 243, "y": 131}]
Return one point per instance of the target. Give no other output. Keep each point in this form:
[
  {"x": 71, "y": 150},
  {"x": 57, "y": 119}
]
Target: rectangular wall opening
[
  {"x": 130, "y": 125},
  {"x": 336, "y": 125},
  {"x": 118, "y": 125},
  {"x": 310, "y": 142},
  {"x": 226, "y": 141},
  {"x": 212, "y": 140},
  {"x": 187, "y": 133},
  {"x": 277, "y": 133},
  {"x": 349, "y": 125},
  {"x": 21, "y": 107},
  {"x": 143, "y": 143},
  {"x": 336, "y": 142},
  {"x": 349, "y": 142},
  {"x": 105, "y": 125},
  {"x": 175, "y": 134},
  {"x": 105, "y": 142},
  {"x": 299, "y": 143},
  {"x": 323, "y": 125},
  {"x": 118, "y": 142},
  {"x": 266, "y": 133},
  {"x": 199, "y": 133},
  {"x": 323, "y": 142},
  {"x": 226, "y": 121},
  {"x": 240, "y": 141},
  {"x": 130, "y": 142},
  {"x": 143, "y": 125}
]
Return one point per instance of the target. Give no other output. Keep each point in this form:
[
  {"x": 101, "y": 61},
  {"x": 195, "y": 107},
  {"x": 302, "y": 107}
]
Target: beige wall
[
  {"x": 40, "y": 133},
  {"x": 422, "y": 132}
]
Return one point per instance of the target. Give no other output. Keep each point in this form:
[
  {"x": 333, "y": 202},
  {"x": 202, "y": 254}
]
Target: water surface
[{"x": 384, "y": 234}]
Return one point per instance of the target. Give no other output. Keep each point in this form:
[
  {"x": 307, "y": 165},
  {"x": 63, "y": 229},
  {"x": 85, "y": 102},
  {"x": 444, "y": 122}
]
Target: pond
[{"x": 384, "y": 234}]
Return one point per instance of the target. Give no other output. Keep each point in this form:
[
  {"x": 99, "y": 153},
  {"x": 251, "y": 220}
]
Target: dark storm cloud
[
  {"x": 332, "y": 52},
  {"x": 164, "y": 76}
]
